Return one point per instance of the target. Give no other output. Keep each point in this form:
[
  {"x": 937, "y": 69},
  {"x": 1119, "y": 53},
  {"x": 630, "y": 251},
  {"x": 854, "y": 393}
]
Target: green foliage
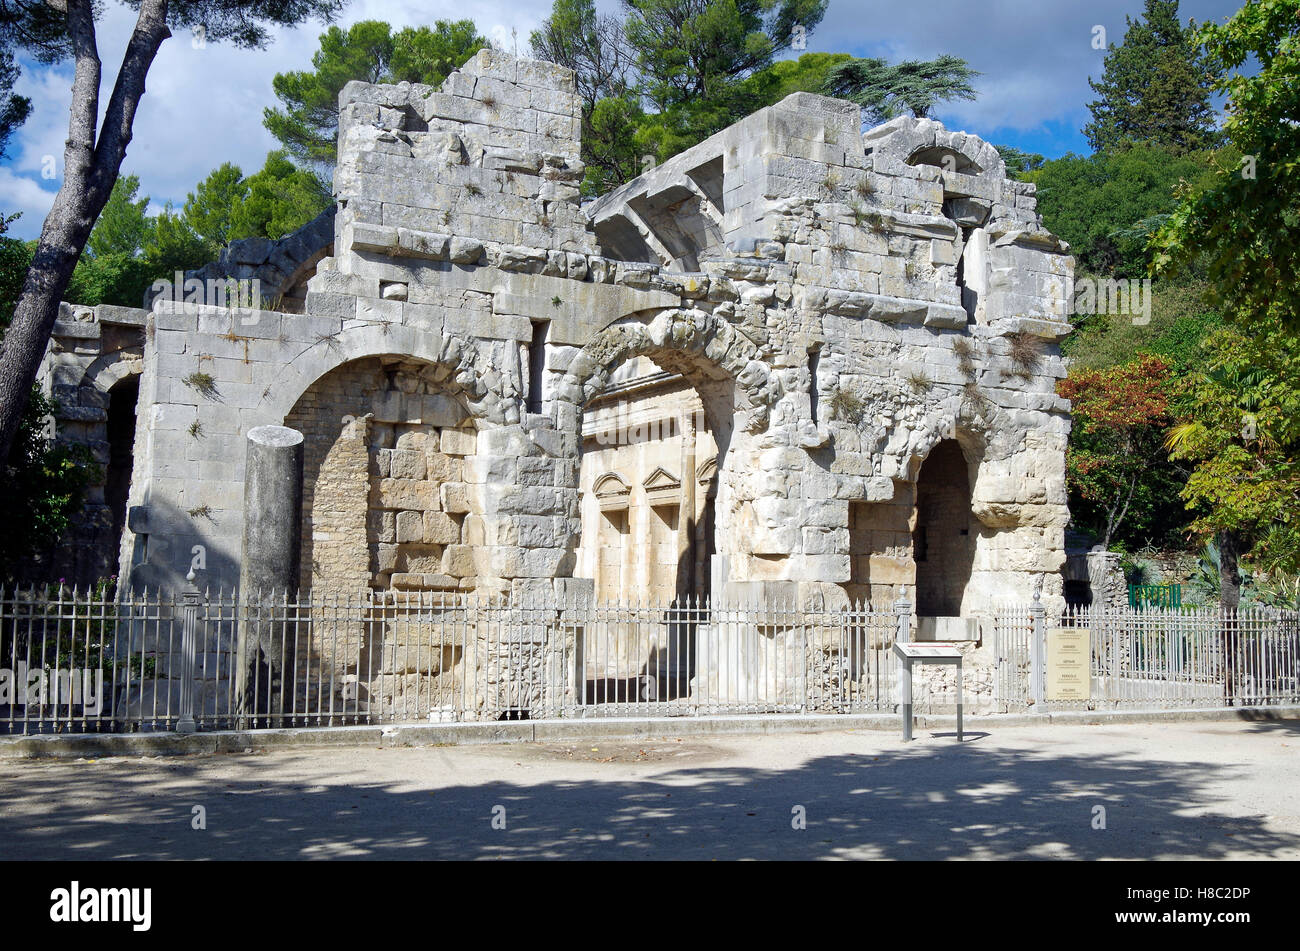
[
  {"x": 14, "y": 110},
  {"x": 1122, "y": 487},
  {"x": 429, "y": 55},
  {"x": 672, "y": 72},
  {"x": 1240, "y": 430},
  {"x": 209, "y": 207},
  {"x": 123, "y": 225},
  {"x": 202, "y": 383},
  {"x": 307, "y": 125},
  {"x": 1245, "y": 222},
  {"x": 687, "y": 50},
  {"x": 1017, "y": 162},
  {"x": 1155, "y": 88},
  {"x": 1180, "y": 321},
  {"x": 15, "y": 258},
  {"x": 912, "y": 87},
  {"x": 610, "y": 150},
  {"x": 128, "y": 249},
  {"x": 1090, "y": 201},
  {"x": 280, "y": 199},
  {"x": 174, "y": 246},
  {"x": 45, "y": 485},
  {"x": 808, "y": 73}
]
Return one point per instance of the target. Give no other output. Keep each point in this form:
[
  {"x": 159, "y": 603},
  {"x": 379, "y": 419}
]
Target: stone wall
[
  {"x": 841, "y": 304},
  {"x": 92, "y": 370}
]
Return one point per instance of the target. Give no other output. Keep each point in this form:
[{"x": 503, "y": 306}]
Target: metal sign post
[{"x": 929, "y": 653}]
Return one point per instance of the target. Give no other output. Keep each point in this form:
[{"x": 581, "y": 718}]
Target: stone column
[
  {"x": 269, "y": 568},
  {"x": 686, "y": 553}
]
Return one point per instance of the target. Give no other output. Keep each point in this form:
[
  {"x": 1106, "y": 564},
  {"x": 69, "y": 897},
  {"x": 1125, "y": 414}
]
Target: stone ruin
[{"x": 795, "y": 362}]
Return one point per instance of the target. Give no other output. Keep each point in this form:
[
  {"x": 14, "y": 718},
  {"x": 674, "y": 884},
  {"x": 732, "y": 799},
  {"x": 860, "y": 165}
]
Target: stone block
[
  {"x": 458, "y": 442},
  {"x": 406, "y": 464},
  {"x": 410, "y": 527},
  {"x": 440, "y": 529},
  {"x": 408, "y": 494},
  {"x": 455, "y": 498}
]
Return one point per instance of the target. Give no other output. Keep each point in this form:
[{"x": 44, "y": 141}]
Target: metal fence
[
  {"x": 72, "y": 662},
  {"x": 1154, "y": 658},
  {"x": 76, "y": 662}
]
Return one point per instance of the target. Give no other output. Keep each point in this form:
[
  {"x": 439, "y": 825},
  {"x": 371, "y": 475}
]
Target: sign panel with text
[{"x": 1069, "y": 676}]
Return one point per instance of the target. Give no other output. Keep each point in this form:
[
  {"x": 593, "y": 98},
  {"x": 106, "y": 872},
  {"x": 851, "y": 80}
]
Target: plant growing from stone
[
  {"x": 330, "y": 340},
  {"x": 847, "y": 406},
  {"x": 1025, "y": 352},
  {"x": 972, "y": 392},
  {"x": 965, "y": 352},
  {"x": 918, "y": 382},
  {"x": 201, "y": 511},
  {"x": 195, "y": 429},
  {"x": 202, "y": 383}
]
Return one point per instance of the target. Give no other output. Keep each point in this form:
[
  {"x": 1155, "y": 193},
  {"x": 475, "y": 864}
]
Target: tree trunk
[
  {"x": 91, "y": 165},
  {"x": 1230, "y": 596}
]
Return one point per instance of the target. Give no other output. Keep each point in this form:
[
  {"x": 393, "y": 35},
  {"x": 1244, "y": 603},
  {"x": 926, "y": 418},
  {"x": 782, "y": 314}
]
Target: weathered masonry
[{"x": 793, "y": 361}]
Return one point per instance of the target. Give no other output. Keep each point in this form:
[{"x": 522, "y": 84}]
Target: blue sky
[{"x": 204, "y": 105}]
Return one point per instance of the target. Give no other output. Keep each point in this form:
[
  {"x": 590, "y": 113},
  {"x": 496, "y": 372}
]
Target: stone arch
[
  {"x": 692, "y": 342},
  {"x": 984, "y": 431},
  {"x": 486, "y": 394},
  {"x": 736, "y": 392},
  {"x": 389, "y": 440},
  {"x": 282, "y": 267},
  {"x": 611, "y": 484},
  {"x": 941, "y": 156},
  {"x": 909, "y": 141},
  {"x": 112, "y": 368}
]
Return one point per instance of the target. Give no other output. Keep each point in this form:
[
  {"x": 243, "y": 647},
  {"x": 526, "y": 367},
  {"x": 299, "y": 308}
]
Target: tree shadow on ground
[
  {"x": 940, "y": 801},
  {"x": 1264, "y": 722}
]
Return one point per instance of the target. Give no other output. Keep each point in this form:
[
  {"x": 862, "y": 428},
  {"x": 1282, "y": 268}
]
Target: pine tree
[
  {"x": 368, "y": 51},
  {"x": 913, "y": 86},
  {"x": 1155, "y": 87}
]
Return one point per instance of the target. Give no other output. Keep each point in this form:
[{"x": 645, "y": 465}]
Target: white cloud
[
  {"x": 23, "y": 194},
  {"x": 204, "y": 106}
]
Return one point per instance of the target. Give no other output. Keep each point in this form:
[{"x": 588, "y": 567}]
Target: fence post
[
  {"x": 1038, "y": 652},
  {"x": 903, "y": 616},
  {"x": 903, "y": 666},
  {"x": 189, "y": 651}
]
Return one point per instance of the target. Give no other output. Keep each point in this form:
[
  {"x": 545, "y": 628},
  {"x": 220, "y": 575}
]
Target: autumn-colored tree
[{"x": 1120, "y": 480}]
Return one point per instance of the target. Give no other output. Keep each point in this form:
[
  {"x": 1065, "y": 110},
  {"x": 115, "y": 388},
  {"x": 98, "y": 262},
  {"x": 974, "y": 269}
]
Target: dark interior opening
[
  {"x": 943, "y": 546},
  {"x": 122, "y": 400}
]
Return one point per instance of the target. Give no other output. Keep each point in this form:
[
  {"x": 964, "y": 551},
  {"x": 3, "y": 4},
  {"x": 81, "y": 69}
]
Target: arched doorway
[
  {"x": 654, "y": 497},
  {"x": 648, "y": 483},
  {"x": 385, "y": 501},
  {"x": 943, "y": 538}
]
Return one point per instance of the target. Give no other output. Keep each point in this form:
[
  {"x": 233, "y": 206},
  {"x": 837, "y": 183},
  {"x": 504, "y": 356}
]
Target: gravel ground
[{"x": 1177, "y": 790}]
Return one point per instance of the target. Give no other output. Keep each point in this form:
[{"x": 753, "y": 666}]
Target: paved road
[{"x": 1190, "y": 790}]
